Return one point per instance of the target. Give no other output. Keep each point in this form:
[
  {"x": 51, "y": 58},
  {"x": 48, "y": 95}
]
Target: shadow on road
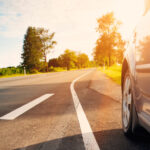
[
  {"x": 107, "y": 140},
  {"x": 116, "y": 140},
  {"x": 66, "y": 143}
]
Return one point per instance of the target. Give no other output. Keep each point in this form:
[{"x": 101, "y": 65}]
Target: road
[{"x": 60, "y": 121}]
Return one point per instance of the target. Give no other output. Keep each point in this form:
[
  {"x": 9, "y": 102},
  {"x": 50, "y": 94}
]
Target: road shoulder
[{"x": 104, "y": 85}]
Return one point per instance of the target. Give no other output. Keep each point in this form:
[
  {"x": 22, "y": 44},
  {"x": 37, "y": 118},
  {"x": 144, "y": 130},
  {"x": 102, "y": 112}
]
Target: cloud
[
  {"x": 66, "y": 17},
  {"x": 74, "y": 21},
  {"x": 16, "y": 15},
  {"x": 60, "y": 15}
]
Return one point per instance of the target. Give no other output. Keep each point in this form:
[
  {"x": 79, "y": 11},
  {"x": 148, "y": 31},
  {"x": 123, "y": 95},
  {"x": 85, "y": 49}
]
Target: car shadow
[
  {"x": 116, "y": 140},
  {"x": 107, "y": 140}
]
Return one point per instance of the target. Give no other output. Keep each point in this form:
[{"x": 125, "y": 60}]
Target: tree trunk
[
  {"x": 46, "y": 62},
  {"x": 109, "y": 60}
]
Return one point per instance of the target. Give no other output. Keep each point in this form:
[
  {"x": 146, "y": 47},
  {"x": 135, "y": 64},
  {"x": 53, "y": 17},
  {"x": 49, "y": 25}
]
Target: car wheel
[
  {"x": 127, "y": 105},
  {"x": 135, "y": 123},
  {"x": 129, "y": 115}
]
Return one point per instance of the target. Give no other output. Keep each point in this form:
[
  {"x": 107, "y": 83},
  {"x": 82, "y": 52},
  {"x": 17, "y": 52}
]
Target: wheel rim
[{"x": 127, "y": 102}]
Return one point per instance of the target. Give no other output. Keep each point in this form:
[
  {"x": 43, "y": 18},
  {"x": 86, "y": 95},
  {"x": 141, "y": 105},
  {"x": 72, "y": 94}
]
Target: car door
[{"x": 142, "y": 51}]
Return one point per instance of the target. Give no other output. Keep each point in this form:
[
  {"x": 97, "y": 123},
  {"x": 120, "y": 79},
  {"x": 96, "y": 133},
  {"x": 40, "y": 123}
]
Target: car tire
[
  {"x": 129, "y": 114},
  {"x": 135, "y": 123}
]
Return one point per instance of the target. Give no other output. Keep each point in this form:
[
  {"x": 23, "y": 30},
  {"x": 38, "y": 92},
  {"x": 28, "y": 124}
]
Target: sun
[{"x": 129, "y": 13}]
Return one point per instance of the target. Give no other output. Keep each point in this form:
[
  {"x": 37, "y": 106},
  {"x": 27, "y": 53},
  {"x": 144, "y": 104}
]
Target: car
[{"x": 135, "y": 80}]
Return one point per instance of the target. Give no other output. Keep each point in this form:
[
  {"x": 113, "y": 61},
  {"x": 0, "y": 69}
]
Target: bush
[
  {"x": 33, "y": 71},
  {"x": 55, "y": 69},
  {"x": 11, "y": 71}
]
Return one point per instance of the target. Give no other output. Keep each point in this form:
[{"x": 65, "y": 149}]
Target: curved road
[{"x": 53, "y": 124}]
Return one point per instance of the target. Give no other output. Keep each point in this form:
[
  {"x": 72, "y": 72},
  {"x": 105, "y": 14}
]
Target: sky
[{"x": 73, "y": 21}]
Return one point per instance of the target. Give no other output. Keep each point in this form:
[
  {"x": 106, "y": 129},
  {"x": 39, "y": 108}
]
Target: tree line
[
  {"x": 11, "y": 70},
  {"x": 109, "y": 48},
  {"x": 38, "y": 42},
  {"x": 70, "y": 59}
]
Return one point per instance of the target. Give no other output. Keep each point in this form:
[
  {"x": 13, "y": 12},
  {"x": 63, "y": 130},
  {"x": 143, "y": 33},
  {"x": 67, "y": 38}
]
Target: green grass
[
  {"x": 13, "y": 75},
  {"x": 17, "y": 75},
  {"x": 58, "y": 69},
  {"x": 55, "y": 69},
  {"x": 113, "y": 72}
]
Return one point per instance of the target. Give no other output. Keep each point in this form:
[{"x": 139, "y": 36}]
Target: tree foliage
[
  {"x": 109, "y": 45},
  {"x": 11, "y": 70},
  {"x": 32, "y": 49},
  {"x": 54, "y": 62},
  {"x": 37, "y": 44},
  {"x": 48, "y": 43},
  {"x": 82, "y": 60},
  {"x": 68, "y": 59}
]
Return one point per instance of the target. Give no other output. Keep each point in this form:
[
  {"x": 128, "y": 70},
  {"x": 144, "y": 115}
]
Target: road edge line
[{"x": 89, "y": 140}]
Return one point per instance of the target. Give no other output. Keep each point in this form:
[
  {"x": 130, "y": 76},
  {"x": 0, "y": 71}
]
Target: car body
[{"x": 136, "y": 77}]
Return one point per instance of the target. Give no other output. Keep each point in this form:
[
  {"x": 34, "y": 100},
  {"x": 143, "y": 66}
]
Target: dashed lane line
[{"x": 19, "y": 111}]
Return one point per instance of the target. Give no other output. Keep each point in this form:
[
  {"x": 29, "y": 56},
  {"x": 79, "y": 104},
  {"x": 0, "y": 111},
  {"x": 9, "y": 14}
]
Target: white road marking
[
  {"x": 90, "y": 142},
  {"x": 19, "y": 111}
]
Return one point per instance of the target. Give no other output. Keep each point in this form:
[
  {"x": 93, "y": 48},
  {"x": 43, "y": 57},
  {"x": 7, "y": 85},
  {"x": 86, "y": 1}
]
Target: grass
[
  {"x": 17, "y": 75},
  {"x": 113, "y": 72},
  {"x": 13, "y": 75},
  {"x": 55, "y": 69}
]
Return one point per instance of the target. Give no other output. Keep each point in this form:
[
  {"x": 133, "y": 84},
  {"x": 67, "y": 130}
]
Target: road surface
[{"x": 59, "y": 111}]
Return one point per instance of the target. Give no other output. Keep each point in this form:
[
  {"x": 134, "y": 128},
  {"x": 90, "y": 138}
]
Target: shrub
[{"x": 32, "y": 71}]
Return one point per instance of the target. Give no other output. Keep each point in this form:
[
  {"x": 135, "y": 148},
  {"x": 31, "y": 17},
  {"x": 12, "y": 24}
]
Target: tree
[
  {"x": 120, "y": 50},
  {"x": 53, "y": 62},
  {"x": 32, "y": 46},
  {"x": 68, "y": 59},
  {"x": 109, "y": 42},
  {"x": 101, "y": 50},
  {"x": 82, "y": 60},
  {"x": 37, "y": 44},
  {"x": 48, "y": 43}
]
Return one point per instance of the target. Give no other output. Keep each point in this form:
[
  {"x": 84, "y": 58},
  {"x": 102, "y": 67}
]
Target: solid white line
[
  {"x": 90, "y": 142},
  {"x": 19, "y": 111}
]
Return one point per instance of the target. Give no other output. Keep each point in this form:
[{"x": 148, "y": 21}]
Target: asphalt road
[{"x": 54, "y": 124}]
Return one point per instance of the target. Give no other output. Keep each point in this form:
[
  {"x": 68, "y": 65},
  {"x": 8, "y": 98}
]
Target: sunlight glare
[{"x": 129, "y": 12}]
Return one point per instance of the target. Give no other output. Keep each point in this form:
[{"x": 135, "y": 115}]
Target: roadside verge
[{"x": 104, "y": 85}]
